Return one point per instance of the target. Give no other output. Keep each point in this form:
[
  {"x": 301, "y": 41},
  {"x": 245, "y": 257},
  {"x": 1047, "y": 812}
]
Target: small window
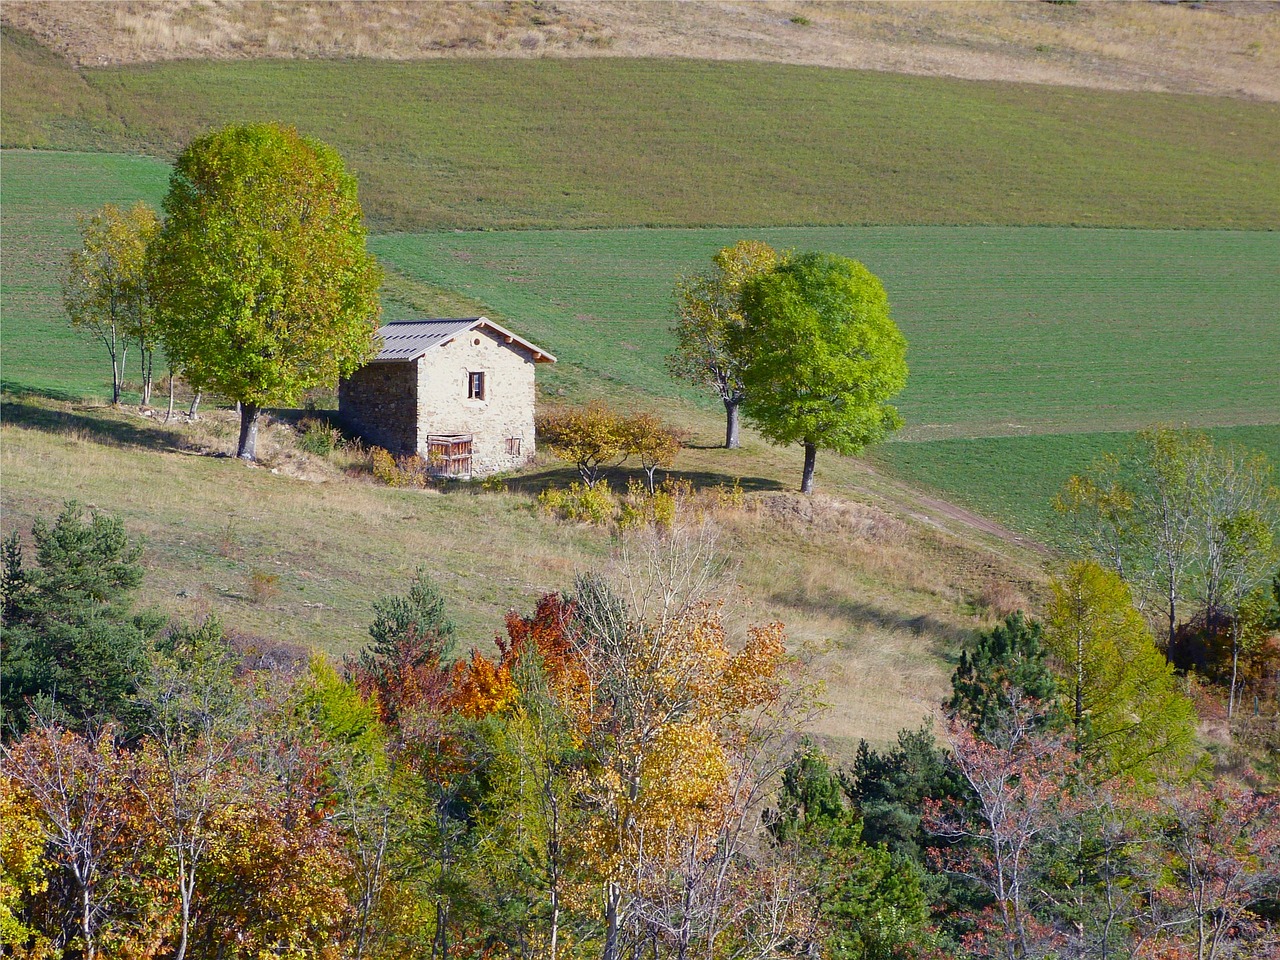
[
  {"x": 513, "y": 446},
  {"x": 475, "y": 386}
]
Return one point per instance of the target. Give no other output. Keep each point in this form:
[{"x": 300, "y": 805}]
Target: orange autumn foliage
[{"x": 480, "y": 686}]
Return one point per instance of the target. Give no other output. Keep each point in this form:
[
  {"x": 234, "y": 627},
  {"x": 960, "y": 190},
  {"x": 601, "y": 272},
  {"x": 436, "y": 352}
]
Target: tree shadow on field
[
  {"x": 944, "y": 640},
  {"x": 108, "y": 430},
  {"x": 561, "y": 475},
  {"x": 22, "y": 391}
]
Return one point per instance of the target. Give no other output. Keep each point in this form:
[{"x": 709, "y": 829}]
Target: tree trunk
[
  {"x": 649, "y": 472},
  {"x": 169, "y": 416},
  {"x": 86, "y": 925},
  {"x": 611, "y": 946},
  {"x": 195, "y": 405},
  {"x": 810, "y": 459},
  {"x": 1235, "y": 666},
  {"x": 249, "y": 414},
  {"x": 146, "y": 377},
  {"x": 731, "y": 424}
]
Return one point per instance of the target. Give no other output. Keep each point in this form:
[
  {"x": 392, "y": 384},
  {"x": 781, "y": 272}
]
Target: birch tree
[
  {"x": 187, "y": 770},
  {"x": 105, "y": 288}
]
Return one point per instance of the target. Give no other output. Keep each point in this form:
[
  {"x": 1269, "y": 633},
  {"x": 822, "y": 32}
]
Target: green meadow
[
  {"x": 1011, "y": 330},
  {"x": 611, "y": 142},
  {"x": 1037, "y": 338},
  {"x": 1014, "y": 479}
]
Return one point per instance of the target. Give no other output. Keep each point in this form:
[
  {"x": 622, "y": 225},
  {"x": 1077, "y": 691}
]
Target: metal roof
[{"x": 407, "y": 340}]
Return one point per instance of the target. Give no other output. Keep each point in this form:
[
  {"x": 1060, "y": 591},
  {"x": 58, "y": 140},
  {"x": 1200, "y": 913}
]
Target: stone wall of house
[
  {"x": 379, "y": 402},
  {"x": 501, "y": 423}
]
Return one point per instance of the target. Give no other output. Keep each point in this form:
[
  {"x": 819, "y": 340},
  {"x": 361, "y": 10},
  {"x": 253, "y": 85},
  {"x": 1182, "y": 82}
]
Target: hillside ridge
[{"x": 1215, "y": 48}]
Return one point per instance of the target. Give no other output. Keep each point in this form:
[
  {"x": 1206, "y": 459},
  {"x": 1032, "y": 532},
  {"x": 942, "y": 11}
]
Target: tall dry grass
[{"x": 1229, "y": 49}]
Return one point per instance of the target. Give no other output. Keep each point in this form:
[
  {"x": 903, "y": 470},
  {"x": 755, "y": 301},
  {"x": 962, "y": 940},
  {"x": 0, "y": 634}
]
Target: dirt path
[{"x": 934, "y": 510}]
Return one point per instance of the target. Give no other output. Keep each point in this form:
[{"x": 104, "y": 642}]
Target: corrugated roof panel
[{"x": 410, "y": 339}]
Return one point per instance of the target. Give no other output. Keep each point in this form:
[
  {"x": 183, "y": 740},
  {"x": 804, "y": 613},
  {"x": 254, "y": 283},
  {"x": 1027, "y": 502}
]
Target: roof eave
[{"x": 539, "y": 355}]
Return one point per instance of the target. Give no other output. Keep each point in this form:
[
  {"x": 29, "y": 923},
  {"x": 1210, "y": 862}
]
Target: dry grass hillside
[
  {"x": 877, "y": 590},
  {"x": 1218, "y": 48}
]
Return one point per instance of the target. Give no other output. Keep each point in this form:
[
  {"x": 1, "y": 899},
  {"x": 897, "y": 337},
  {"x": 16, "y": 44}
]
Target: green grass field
[
  {"x": 1013, "y": 479},
  {"x": 1011, "y": 330},
  {"x": 610, "y": 142},
  {"x": 1038, "y": 341},
  {"x": 1032, "y": 340}
]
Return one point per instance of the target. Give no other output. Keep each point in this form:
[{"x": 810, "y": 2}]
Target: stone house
[{"x": 458, "y": 392}]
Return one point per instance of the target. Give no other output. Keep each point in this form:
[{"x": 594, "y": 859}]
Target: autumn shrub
[
  {"x": 595, "y": 437},
  {"x": 580, "y": 503},
  {"x": 263, "y": 586},
  {"x": 591, "y": 438},
  {"x": 729, "y": 496},
  {"x": 384, "y": 467},
  {"x": 318, "y": 437},
  {"x": 641, "y": 508},
  {"x": 414, "y": 471}
]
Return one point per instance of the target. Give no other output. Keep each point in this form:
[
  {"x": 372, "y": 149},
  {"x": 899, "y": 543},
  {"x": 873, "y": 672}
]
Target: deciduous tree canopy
[
  {"x": 707, "y": 305},
  {"x": 105, "y": 288},
  {"x": 821, "y": 356},
  {"x": 264, "y": 286}
]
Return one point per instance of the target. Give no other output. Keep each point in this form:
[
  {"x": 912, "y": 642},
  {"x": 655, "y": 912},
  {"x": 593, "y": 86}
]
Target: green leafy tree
[
  {"x": 592, "y": 438},
  {"x": 1128, "y": 714},
  {"x": 71, "y": 641},
  {"x": 105, "y": 288},
  {"x": 821, "y": 356},
  {"x": 264, "y": 288},
  {"x": 707, "y": 306}
]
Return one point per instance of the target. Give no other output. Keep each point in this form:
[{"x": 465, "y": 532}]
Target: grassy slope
[
  {"x": 1119, "y": 318},
  {"x": 617, "y": 142},
  {"x": 737, "y": 144},
  {"x": 1013, "y": 479},
  {"x": 1011, "y": 330},
  {"x": 880, "y": 606}
]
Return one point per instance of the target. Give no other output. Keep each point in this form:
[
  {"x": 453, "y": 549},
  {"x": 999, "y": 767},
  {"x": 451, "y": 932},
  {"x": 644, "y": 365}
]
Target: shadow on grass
[
  {"x": 944, "y": 639},
  {"x": 561, "y": 476},
  {"x": 23, "y": 391},
  {"x": 101, "y": 429}
]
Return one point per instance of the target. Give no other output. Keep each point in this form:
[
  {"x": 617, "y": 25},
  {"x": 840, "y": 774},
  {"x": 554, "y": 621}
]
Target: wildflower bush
[
  {"x": 638, "y": 508},
  {"x": 580, "y": 503}
]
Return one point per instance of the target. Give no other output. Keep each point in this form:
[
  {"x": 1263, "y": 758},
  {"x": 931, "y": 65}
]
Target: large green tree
[
  {"x": 707, "y": 305},
  {"x": 264, "y": 287},
  {"x": 821, "y": 356}
]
